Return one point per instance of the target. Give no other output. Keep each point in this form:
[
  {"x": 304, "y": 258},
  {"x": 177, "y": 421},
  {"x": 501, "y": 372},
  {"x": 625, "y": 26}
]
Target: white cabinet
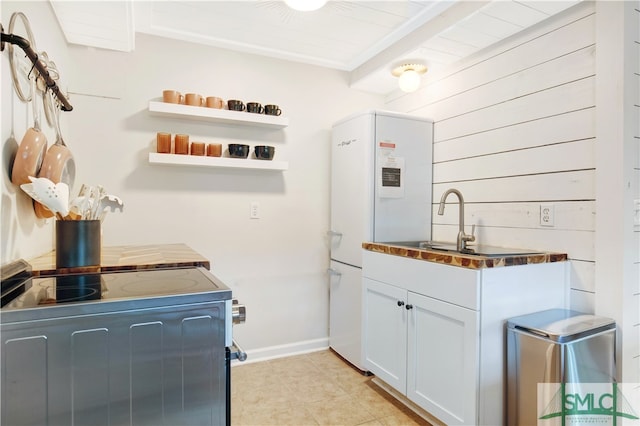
[
  {"x": 442, "y": 350},
  {"x": 345, "y": 312},
  {"x": 435, "y": 333},
  {"x": 385, "y": 332}
]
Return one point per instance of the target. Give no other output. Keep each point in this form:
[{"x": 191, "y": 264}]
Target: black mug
[
  {"x": 238, "y": 150},
  {"x": 255, "y": 107},
  {"x": 272, "y": 110},
  {"x": 264, "y": 152},
  {"x": 235, "y": 105}
]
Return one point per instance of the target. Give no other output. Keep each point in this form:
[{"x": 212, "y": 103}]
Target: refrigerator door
[
  {"x": 403, "y": 175},
  {"x": 345, "y": 308},
  {"x": 351, "y": 188}
]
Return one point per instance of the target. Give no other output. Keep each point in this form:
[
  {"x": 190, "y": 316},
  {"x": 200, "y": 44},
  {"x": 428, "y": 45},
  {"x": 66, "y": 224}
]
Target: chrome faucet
[{"x": 461, "y": 243}]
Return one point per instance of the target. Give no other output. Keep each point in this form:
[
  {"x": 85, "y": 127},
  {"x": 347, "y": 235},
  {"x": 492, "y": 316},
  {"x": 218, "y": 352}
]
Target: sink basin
[{"x": 478, "y": 250}]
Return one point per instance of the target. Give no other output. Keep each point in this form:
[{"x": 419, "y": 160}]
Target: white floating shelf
[
  {"x": 223, "y": 162},
  {"x": 217, "y": 115}
]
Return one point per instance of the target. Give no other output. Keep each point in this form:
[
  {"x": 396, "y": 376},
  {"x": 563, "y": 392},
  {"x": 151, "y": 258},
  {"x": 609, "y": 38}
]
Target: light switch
[{"x": 255, "y": 210}]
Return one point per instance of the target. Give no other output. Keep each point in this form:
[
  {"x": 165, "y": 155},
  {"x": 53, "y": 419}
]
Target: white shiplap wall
[{"x": 516, "y": 126}]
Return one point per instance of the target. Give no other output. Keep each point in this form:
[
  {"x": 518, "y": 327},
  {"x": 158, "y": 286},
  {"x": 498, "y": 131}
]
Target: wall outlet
[
  {"x": 547, "y": 215},
  {"x": 254, "y": 212}
]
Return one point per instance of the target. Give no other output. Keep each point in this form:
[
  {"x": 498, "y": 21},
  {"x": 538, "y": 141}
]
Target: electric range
[{"x": 135, "y": 347}]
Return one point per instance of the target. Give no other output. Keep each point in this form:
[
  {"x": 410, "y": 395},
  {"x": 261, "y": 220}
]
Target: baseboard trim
[{"x": 281, "y": 351}]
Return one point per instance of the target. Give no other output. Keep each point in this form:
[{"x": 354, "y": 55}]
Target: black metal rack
[{"x": 37, "y": 63}]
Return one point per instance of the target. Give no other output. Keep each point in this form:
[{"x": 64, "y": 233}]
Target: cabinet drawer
[{"x": 451, "y": 284}]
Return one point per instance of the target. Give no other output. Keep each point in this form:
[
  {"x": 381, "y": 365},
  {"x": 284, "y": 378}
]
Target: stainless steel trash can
[{"x": 555, "y": 346}]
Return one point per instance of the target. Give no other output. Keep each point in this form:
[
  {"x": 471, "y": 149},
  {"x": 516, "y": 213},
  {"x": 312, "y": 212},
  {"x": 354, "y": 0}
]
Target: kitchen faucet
[{"x": 461, "y": 243}]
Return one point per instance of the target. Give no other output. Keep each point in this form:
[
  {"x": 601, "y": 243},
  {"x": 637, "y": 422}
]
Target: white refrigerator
[{"x": 381, "y": 175}]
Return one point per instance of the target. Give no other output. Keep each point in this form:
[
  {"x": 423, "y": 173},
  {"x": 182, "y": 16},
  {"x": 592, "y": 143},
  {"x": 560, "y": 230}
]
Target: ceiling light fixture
[
  {"x": 409, "y": 74},
  {"x": 305, "y": 5}
]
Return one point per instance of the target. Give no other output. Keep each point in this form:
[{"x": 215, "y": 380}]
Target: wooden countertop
[
  {"x": 470, "y": 261},
  {"x": 127, "y": 258}
]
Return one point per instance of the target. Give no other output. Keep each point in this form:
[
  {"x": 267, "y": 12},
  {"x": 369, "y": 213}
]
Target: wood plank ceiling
[{"x": 365, "y": 38}]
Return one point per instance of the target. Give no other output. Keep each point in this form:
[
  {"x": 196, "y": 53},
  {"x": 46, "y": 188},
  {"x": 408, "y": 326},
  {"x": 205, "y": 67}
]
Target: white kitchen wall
[
  {"x": 515, "y": 127},
  {"x": 276, "y": 265},
  {"x": 635, "y": 300}
]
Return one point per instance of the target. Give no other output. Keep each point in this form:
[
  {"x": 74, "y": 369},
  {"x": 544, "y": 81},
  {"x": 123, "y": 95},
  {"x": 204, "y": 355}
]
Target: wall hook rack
[{"x": 37, "y": 63}]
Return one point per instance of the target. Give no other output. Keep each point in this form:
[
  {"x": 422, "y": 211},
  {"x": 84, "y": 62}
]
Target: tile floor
[{"x": 318, "y": 388}]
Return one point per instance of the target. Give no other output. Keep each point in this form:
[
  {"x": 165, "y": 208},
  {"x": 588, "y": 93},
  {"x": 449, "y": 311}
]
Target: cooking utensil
[
  {"x": 58, "y": 164},
  {"x": 20, "y": 64},
  {"x": 54, "y": 196},
  {"x": 78, "y": 204},
  {"x": 41, "y": 84},
  {"x": 110, "y": 202},
  {"x": 31, "y": 150}
]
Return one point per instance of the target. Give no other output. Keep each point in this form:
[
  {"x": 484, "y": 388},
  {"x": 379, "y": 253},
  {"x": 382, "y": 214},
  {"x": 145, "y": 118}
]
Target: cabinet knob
[
  {"x": 408, "y": 307},
  {"x": 400, "y": 303}
]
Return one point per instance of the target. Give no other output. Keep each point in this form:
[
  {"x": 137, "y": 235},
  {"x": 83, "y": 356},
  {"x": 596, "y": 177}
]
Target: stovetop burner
[{"x": 95, "y": 288}]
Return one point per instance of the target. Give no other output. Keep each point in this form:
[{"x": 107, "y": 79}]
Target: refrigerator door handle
[
  {"x": 333, "y": 272},
  {"x": 333, "y": 233}
]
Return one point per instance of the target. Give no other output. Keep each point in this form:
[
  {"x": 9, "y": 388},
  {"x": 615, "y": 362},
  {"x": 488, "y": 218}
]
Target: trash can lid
[{"x": 561, "y": 325}]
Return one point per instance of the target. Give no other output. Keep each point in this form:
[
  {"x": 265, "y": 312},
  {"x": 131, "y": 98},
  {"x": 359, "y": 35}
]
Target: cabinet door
[
  {"x": 442, "y": 359},
  {"x": 345, "y": 312},
  {"x": 385, "y": 332}
]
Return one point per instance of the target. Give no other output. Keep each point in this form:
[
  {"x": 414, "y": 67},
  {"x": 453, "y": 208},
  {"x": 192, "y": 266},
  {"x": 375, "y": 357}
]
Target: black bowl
[
  {"x": 238, "y": 150},
  {"x": 264, "y": 152}
]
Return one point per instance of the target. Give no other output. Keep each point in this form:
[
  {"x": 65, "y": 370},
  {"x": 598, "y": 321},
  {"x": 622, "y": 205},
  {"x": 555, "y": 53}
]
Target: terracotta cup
[
  {"x": 215, "y": 102},
  {"x": 181, "y": 144},
  {"x": 163, "y": 143},
  {"x": 194, "y": 99},
  {"x": 172, "y": 97},
  {"x": 214, "y": 150},
  {"x": 197, "y": 148}
]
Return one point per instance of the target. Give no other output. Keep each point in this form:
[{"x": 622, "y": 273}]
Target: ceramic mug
[
  {"x": 214, "y": 150},
  {"x": 197, "y": 148},
  {"x": 272, "y": 110},
  {"x": 194, "y": 99},
  {"x": 163, "y": 143},
  {"x": 172, "y": 97},
  {"x": 238, "y": 150},
  {"x": 235, "y": 105},
  {"x": 264, "y": 152},
  {"x": 255, "y": 107},
  {"x": 181, "y": 143},
  {"x": 215, "y": 102}
]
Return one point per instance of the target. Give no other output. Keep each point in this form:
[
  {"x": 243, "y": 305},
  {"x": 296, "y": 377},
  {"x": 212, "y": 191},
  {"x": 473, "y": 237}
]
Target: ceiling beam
[{"x": 415, "y": 39}]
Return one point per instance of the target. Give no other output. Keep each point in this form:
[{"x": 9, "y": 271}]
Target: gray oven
[{"x": 148, "y": 347}]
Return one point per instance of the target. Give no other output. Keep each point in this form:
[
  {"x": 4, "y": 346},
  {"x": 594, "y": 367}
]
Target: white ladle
[{"x": 54, "y": 196}]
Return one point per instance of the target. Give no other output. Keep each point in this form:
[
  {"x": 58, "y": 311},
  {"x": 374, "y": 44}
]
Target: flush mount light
[
  {"x": 409, "y": 74},
  {"x": 305, "y": 5}
]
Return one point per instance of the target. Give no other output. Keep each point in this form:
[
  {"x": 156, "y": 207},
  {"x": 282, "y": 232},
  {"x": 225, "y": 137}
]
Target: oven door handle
[{"x": 237, "y": 352}]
